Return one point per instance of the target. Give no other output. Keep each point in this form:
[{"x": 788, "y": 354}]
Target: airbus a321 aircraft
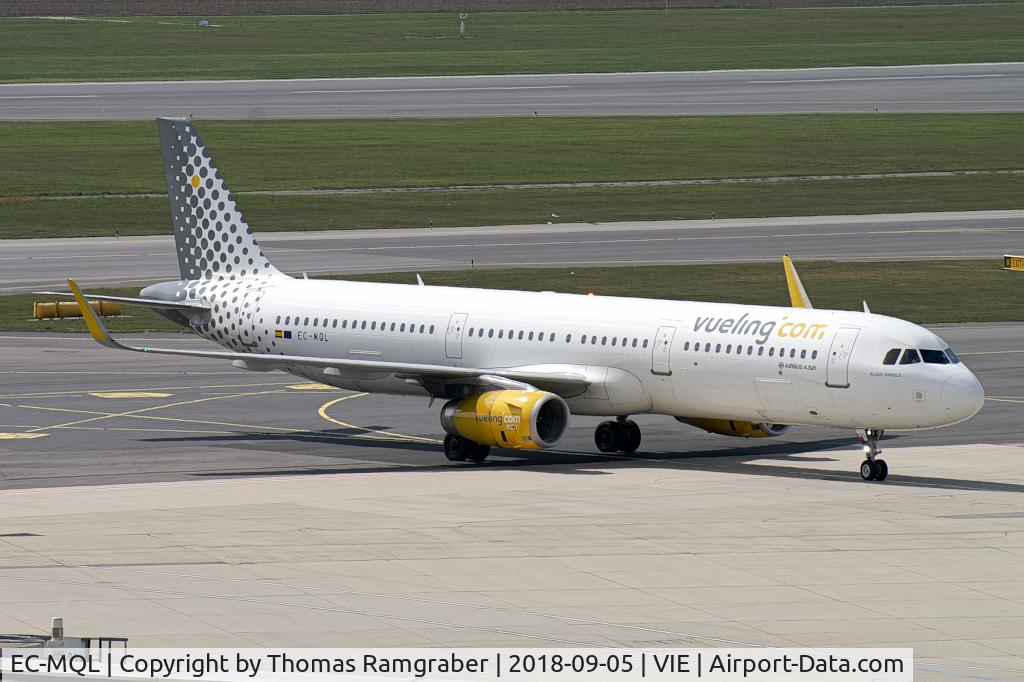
[{"x": 512, "y": 366}]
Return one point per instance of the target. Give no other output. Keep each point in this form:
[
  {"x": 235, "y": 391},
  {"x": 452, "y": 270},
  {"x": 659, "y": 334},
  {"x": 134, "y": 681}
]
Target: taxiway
[
  {"x": 27, "y": 264},
  {"x": 889, "y": 89},
  {"x": 258, "y": 510}
]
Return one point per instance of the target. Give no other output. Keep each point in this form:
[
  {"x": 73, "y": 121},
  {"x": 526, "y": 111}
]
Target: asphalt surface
[
  {"x": 928, "y": 88},
  {"x": 74, "y": 413},
  {"x": 33, "y": 263}
]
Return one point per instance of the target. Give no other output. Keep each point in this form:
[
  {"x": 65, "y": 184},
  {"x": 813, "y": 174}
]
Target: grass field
[
  {"x": 513, "y": 42},
  {"x": 47, "y": 159},
  {"x": 920, "y": 291},
  {"x": 104, "y": 217}
]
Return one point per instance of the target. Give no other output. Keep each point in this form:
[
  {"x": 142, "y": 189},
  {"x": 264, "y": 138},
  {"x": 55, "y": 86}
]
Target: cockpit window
[
  {"x": 934, "y": 357},
  {"x": 891, "y": 356},
  {"x": 910, "y": 356},
  {"x": 952, "y": 356}
]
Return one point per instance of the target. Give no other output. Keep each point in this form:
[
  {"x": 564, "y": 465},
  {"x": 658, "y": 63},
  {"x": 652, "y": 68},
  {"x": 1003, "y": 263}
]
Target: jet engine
[
  {"x": 739, "y": 429},
  {"x": 520, "y": 420}
]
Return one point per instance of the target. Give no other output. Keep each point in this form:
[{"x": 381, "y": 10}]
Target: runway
[
  {"x": 74, "y": 413},
  {"x": 33, "y": 263},
  {"x": 887, "y": 89}
]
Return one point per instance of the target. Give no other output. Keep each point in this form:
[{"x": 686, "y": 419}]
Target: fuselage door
[
  {"x": 837, "y": 374},
  {"x": 248, "y": 308},
  {"x": 661, "y": 358},
  {"x": 453, "y": 338}
]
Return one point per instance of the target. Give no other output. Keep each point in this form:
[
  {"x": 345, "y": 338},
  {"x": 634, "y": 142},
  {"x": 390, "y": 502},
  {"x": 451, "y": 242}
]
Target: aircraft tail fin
[{"x": 212, "y": 238}]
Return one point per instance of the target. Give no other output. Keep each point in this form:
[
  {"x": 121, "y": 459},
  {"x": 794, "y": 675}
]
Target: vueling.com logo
[{"x": 760, "y": 329}]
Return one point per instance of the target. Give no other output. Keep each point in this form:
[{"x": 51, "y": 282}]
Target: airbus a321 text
[{"x": 513, "y": 366}]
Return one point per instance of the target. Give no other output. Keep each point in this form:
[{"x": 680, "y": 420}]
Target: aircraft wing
[
  {"x": 148, "y": 302},
  {"x": 561, "y": 383},
  {"x": 797, "y": 296}
]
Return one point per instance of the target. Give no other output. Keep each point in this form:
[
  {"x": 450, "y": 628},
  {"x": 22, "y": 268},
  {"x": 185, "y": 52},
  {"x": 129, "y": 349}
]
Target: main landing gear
[
  {"x": 621, "y": 435},
  {"x": 872, "y": 468},
  {"x": 459, "y": 449}
]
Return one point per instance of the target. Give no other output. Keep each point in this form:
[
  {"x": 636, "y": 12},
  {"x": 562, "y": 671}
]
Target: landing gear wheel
[
  {"x": 630, "y": 436},
  {"x": 479, "y": 452},
  {"x": 608, "y": 436},
  {"x": 457, "y": 448},
  {"x": 872, "y": 468}
]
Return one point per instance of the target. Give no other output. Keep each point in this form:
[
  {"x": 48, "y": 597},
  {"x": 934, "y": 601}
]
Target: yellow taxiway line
[{"x": 382, "y": 435}]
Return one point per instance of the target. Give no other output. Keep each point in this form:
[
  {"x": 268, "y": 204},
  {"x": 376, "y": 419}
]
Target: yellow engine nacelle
[
  {"x": 739, "y": 429},
  {"x": 520, "y": 420}
]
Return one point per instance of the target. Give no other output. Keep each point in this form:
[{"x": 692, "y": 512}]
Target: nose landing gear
[
  {"x": 872, "y": 468},
  {"x": 621, "y": 435}
]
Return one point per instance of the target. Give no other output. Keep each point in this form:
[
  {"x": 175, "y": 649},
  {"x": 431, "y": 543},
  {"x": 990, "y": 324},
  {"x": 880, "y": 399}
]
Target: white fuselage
[{"x": 680, "y": 358}]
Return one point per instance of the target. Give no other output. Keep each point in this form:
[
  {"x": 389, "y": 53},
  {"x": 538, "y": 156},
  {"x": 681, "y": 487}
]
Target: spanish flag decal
[{"x": 282, "y": 334}]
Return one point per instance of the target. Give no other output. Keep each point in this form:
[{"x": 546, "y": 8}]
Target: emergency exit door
[
  {"x": 453, "y": 337},
  {"x": 661, "y": 358}
]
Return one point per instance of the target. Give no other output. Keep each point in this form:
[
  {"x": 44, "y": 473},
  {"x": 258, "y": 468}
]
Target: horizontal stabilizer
[{"x": 147, "y": 302}]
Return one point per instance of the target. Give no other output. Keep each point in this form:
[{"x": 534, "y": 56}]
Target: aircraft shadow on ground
[{"x": 746, "y": 460}]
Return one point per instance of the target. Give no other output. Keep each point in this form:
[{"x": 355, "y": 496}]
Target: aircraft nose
[{"x": 962, "y": 396}]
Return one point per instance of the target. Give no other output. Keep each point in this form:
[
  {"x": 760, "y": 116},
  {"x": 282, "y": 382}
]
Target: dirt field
[{"x": 222, "y": 7}]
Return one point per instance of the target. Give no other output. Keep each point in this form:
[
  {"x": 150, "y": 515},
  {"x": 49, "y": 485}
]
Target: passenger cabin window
[
  {"x": 934, "y": 357},
  {"x": 910, "y": 357}
]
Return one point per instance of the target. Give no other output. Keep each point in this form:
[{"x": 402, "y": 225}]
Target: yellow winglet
[
  {"x": 797, "y": 296},
  {"x": 96, "y": 328}
]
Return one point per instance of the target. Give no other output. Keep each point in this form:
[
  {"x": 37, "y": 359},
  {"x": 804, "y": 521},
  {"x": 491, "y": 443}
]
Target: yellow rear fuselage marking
[{"x": 382, "y": 435}]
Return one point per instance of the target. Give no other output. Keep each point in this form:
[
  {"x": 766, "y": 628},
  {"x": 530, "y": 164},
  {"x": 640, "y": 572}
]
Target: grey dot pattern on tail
[
  {"x": 220, "y": 261},
  {"x": 212, "y": 237}
]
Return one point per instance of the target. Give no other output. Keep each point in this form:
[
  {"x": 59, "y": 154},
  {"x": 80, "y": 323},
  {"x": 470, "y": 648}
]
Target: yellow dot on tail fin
[{"x": 195, "y": 181}]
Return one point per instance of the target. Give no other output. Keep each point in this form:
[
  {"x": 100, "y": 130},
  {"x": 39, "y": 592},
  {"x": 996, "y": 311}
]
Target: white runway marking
[
  {"x": 884, "y": 78},
  {"x": 365, "y": 91},
  {"x": 48, "y": 96}
]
